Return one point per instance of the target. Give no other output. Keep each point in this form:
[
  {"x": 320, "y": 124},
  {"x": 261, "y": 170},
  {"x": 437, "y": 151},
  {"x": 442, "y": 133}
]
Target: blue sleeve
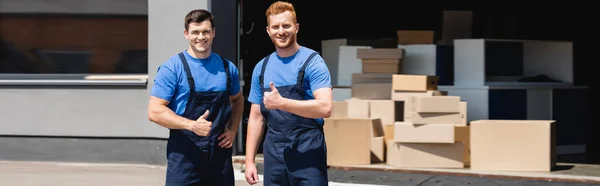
[
  {"x": 165, "y": 82},
  {"x": 317, "y": 74},
  {"x": 255, "y": 95},
  {"x": 235, "y": 79}
]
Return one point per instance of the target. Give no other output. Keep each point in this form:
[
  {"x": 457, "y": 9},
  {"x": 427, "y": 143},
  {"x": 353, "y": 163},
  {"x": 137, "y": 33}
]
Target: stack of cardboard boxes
[
  {"x": 433, "y": 132},
  {"x": 369, "y": 127},
  {"x": 403, "y": 120},
  {"x": 354, "y": 133}
]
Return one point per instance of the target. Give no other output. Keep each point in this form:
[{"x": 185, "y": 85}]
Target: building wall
[
  {"x": 105, "y": 7},
  {"x": 53, "y": 116}
]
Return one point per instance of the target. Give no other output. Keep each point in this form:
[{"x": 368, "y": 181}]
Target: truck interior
[{"x": 377, "y": 22}]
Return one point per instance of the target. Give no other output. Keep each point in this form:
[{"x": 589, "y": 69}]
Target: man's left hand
[
  {"x": 273, "y": 99},
  {"x": 226, "y": 139}
]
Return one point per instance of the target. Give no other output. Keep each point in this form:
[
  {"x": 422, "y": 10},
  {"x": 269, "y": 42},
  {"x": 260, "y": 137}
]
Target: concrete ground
[
  {"x": 18, "y": 173},
  {"x": 21, "y": 173}
]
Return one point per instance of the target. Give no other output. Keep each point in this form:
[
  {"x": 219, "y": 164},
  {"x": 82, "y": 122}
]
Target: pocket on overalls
[
  {"x": 281, "y": 121},
  {"x": 189, "y": 157}
]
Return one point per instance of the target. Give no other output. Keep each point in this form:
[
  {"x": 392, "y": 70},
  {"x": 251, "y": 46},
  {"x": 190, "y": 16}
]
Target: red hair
[{"x": 280, "y": 7}]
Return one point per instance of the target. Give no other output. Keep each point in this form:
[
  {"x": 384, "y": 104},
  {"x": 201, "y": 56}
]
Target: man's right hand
[
  {"x": 251, "y": 174},
  {"x": 201, "y": 127}
]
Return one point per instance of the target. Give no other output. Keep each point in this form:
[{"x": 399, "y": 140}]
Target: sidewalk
[
  {"x": 566, "y": 173},
  {"x": 19, "y": 173}
]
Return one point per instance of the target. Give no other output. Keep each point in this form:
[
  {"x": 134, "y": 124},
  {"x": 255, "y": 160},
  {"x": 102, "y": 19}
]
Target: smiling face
[
  {"x": 282, "y": 29},
  {"x": 200, "y": 36}
]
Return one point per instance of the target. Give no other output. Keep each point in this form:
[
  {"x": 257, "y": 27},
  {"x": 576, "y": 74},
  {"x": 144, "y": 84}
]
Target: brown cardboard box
[
  {"x": 513, "y": 145},
  {"x": 425, "y": 155},
  {"x": 388, "y": 132},
  {"x": 388, "y": 111},
  {"x": 383, "y": 66},
  {"x": 423, "y": 133},
  {"x": 407, "y": 103},
  {"x": 461, "y": 135},
  {"x": 463, "y": 110},
  {"x": 377, "y": 128},
  {"x": 437, "y": 104},
  {"x": 405, "y": 82},
  {"x": 371, "y": 78},
  {"x": 339, "y": 109},
  {"x": 380, "y": 53},
  {"x": 404, "y": 96},
  {"x": 435, "y": 118},
  {"x": 348, "y": 141},
  {"x": 371, "y": 86},
  {"x": 377, "y": 149},
  {"x": 412, "y": 37},
  {"x": 377, "y": 91},
  {"x": 458, "y": 119},
  {"x": 358, "y": 108}
]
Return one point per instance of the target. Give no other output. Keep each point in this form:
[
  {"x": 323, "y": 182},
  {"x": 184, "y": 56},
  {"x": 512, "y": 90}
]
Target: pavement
[
  {"x": 21, "y": 173},
  {"x": 25, "y": 173}
]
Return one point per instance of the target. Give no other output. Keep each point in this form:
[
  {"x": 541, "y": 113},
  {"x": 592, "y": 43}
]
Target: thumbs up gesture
[
  {"x": 201, "y": 126},
  {"x": 272, "y": 99}
]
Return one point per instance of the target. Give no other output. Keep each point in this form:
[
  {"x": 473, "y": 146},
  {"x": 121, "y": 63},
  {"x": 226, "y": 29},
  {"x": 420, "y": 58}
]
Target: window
[
  {"x": 63, "y": 61},
  {"x": 34, "y": 43}
]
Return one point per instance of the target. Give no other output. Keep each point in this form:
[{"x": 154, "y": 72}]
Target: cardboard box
[
  {"x": 463, "y": 111},
  {"x": 388, "y": 111},
  {"x": 376, "y": 128},
  {"x": 408, "y": 102},
  {"x": 462, "y": 135},
  {"x": 437, "y": 104},
  {"x": 415, "y": 37},
  {"x": 371, "y": 86},
  {"x": 380, "y": 53},
  {"x": 423, "y": 133},
  {"x": 383, "y": 66},
  {"x": 371, "y": 78},
  {"x": 377, "y": 149},
  {"x": 358, "y": 108},
  {"x": 349, "y": 140},
  {"x": 388, "y": 131},
  {"x": 405, "y": 82},
  {"x": 339, "y": 109},
  {"x": 513, "y": 145},
  {"x": 404, "y": 95},
  {"x": 425, "y": 155},
  {"x": 458, "y": 119},
  {"x": 376, "y": 91},
  {"x": 435, "y": 118}
]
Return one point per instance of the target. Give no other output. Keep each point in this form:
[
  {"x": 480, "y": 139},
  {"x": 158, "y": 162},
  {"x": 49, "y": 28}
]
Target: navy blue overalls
[
  {"x": 294, "y": 148},
  {"x": 198, "y": 160}
]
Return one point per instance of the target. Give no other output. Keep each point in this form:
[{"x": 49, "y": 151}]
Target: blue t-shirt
[
  {"x": 171, "y": 82},
  {"x": 284, "y": 71}
]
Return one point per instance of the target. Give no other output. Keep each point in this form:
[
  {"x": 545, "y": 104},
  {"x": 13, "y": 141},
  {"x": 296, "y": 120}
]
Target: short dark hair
[{"x": 198, "y": 16}]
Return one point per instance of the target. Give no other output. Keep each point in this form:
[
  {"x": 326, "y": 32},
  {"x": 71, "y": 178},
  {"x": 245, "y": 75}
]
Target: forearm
[
  {"x": 308, "y": 108},
  {"x": 165, "y": 117},
  {"x": 254, "y": 134},
  {"x": 237, "y": 107}
]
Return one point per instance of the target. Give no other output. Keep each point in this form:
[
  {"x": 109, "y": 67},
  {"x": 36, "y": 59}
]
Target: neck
[
  {"x": 289, "y": 51},
  {"x": 199, "y": 55}
]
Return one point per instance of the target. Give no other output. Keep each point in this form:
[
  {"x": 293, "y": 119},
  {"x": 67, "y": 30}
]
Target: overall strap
[
  {"x": 262, "y": 71},
  {"x": 190, "y": 78},
  {"x": 188, "y": 73},
  {"x": 226, "y": 67},
  {"x": 303, "y": 69}
]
